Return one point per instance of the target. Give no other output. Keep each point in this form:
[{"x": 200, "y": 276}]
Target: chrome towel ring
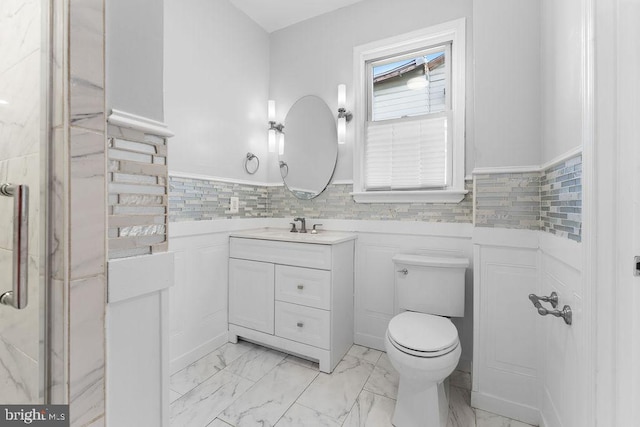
[{"x": 250, "y": 157}]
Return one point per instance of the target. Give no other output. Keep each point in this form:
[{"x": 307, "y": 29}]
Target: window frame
[{"x": 449, "y": 32}]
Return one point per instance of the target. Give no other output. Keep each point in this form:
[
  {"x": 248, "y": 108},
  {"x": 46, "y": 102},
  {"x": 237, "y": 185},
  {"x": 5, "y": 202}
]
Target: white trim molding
[
  {"x": 433, "y": 196},
  {"x": 530, "y": 168},
  {"x": 221, "y": 179},
  {"x": 506, "y": 169},
  {"x": 143, "y": 124}
]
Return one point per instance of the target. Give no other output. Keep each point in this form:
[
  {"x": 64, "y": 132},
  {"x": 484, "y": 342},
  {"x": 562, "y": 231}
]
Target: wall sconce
[
  {"x": 344, "y": 116},
  {"x": 274, "y": 129}
]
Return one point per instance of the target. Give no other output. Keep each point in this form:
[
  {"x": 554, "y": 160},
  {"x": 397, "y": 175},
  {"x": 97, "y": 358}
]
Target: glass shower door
[{"x": 22, "y": 130}]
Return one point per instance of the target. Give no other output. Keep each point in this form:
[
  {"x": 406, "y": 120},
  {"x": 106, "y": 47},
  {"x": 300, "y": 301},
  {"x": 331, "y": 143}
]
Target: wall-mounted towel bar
[{"x": 565, "y": 313}]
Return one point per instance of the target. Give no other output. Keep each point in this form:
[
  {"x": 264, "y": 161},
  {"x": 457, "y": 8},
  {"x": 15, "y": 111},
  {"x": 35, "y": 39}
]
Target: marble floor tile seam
[
  {"x": 220, "y": 354},
  {"x": 258, "y": 384},
  {"x": 301, "y": 393},
  {"x": 352, "y": 406}
]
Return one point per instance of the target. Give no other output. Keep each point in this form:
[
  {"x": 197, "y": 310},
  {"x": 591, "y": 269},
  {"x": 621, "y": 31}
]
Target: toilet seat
[{"x": 422, "y": 335}]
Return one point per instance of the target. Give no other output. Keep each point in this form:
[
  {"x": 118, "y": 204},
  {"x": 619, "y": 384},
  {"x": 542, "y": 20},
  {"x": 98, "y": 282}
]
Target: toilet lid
[{"x": 423, "y": 333}]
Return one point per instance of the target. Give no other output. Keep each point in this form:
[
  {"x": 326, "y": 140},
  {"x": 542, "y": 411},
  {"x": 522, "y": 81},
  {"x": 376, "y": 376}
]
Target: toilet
[{"x": 421, "y": 342}]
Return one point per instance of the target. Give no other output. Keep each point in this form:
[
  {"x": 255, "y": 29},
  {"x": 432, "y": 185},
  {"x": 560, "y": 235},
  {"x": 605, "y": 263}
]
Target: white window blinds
[{"x": 407, "y": 153}]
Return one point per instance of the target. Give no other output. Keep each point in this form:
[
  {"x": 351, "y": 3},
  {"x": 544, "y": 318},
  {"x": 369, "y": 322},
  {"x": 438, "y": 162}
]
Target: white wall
[
  {"x": 216, "y": 86},
  {"x": 562, "y": 78},
  {"x": 314, "y": 56},
  {"x": 506, "y": 39},
  {"x": 134, "y": 70}
]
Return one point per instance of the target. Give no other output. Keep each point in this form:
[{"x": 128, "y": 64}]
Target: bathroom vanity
[{"x": 293, "y": 292}]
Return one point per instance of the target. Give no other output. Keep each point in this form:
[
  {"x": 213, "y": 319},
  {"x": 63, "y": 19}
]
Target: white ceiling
[{"x": 273, "y": 15}]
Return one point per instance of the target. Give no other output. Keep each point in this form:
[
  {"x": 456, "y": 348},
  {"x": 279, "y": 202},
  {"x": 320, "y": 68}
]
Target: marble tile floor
[{"x": 248, "y": 385}]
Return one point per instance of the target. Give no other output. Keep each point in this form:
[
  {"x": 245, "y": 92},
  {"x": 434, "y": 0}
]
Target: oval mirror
[{"x": 311, "y": 148}]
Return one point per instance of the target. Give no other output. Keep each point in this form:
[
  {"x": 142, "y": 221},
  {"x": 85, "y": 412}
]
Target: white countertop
[{"x": 323, "y": 237}]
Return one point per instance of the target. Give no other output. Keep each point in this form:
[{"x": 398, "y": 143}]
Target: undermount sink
[{"x": 323, "y": 237}]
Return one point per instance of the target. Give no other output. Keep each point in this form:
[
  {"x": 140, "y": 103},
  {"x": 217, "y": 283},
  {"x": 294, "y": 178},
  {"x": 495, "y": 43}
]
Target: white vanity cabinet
[{"x": 296, "y": 296}]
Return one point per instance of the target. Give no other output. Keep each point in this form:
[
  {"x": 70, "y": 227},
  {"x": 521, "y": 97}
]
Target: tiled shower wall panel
[
  {"x": 561, "y": 199},
  {"x": 508, "y": 200},
  {"x": 138, "y": 199},
  {"x": 81, "y": 176}
]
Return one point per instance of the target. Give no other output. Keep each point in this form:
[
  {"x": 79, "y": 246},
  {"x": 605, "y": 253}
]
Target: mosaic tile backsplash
[
  {"x": 199, "y": 200},
  {"x": 550, "y": 201},
  {"x": 196, "y": 200},
  {"x": 561, "y": 199},
  {"x": 509, "y": 200}
]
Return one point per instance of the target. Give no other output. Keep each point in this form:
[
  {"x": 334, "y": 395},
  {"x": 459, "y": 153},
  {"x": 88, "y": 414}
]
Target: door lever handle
[{"x": 17, "y": 297}]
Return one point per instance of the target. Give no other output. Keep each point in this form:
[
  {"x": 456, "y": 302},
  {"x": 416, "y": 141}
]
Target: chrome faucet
[{"x": 303, "y": 224}]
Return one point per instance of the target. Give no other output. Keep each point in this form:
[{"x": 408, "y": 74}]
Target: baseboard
[
  {"x": 199, "y": 352},
  {"x": 464, "y": 365},
  {"x": 516, "y": 411},
  {"x": 369, "y": 341}
]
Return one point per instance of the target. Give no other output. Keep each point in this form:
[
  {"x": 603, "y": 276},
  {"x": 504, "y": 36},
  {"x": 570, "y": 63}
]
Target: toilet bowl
[
  {"x": 422, "y": 344},
  {"x": 423, "y": 363}
]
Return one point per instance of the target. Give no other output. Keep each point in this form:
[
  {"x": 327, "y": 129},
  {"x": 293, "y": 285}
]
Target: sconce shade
[
  {"x": 342, "y": 96},
  {"x": 271, "y": 110},
  {"x": 272, "y": 140},
  {"x": 281, "y": 145},
  {"x": 342, "y": 130}
]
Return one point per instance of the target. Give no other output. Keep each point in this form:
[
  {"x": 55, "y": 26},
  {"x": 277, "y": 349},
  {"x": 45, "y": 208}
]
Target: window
[{"x": 410, "y": 136}]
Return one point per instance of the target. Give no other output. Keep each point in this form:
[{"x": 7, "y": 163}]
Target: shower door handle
[{"x": 17, "y": 297}]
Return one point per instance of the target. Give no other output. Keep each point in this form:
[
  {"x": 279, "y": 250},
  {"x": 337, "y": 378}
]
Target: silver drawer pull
[
  {"x": 404, "y": 271},
  {"x": 17, "y": 297},
  {"x": 299, "y": 324},
  {"x": 301, "y": 287}
]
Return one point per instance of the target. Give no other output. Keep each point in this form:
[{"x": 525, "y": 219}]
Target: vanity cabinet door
[{"x": 251, "y": 294}]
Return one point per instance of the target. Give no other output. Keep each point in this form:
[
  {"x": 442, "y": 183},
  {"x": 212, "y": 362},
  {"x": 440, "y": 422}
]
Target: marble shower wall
[
  {"x": 78, "y": 209},
  {"x": 20, "y": 125}
]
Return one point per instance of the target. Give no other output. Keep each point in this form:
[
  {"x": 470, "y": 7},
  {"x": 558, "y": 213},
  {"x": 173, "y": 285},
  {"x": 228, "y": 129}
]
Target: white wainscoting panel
[
  {"x": 529, "y": 367},
  {"x": 137, "y": 381},
  {"x": 198, "y": 307},
  {"x": 565, "y": 356},
  {"x": 505, "y": 369}
]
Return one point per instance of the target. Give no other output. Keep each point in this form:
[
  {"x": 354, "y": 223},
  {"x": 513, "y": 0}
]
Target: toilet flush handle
[{"x": 404, "y": 271}]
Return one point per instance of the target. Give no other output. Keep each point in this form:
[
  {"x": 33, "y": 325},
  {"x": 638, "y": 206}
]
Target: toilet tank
[{"x": 430, "y": 284}]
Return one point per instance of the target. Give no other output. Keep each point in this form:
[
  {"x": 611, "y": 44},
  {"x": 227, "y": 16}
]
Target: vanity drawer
[
  {"x": 303, "y": 286},
  {"x": 297, "y": 254},
  {"x": 303, "y": 324}
]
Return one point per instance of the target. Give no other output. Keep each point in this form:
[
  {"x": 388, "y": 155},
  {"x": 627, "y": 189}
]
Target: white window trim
[{"x": 454, "y": 32}]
